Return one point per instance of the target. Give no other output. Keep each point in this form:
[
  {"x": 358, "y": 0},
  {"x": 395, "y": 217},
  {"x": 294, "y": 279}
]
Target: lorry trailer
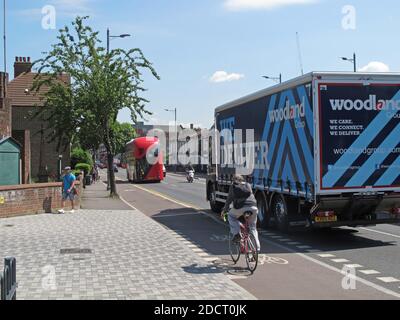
[{"x": 330, "y": 148}]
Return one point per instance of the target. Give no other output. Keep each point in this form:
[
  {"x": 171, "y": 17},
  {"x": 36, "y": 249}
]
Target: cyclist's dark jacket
[{"x": 241, "y": 194}]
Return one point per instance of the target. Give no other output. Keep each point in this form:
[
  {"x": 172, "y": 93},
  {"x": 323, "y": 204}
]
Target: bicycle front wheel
[
  {"x": 251, "y": 254},
  {"x": 234, "y": 249}
]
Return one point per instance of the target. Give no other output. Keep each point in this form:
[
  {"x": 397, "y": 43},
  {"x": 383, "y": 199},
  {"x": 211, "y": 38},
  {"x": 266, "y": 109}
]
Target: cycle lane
[{"x": 282, "y": 274}]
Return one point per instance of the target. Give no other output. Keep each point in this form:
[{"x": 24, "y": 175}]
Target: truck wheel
[
  {"x": 214, "y": 204},
  {"x": 263, "y": 214},
  {"x": 280, "y": 211}
]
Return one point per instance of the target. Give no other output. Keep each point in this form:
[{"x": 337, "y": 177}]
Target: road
[{"x": 302, "y": 265}]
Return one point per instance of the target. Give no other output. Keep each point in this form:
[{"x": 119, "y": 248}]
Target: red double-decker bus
[{"x": 144, "y": 160}]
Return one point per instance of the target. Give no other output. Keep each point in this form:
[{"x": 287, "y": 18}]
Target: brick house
[
  {"x": 28, "y": 131},
  {"x": 5, "y": 107}
]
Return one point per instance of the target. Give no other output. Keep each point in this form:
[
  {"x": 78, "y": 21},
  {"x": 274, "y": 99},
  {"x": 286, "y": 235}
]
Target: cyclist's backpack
[{"x": 241, "y": 193}]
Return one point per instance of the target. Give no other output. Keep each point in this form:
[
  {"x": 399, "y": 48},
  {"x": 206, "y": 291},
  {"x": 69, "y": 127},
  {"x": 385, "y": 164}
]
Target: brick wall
[
  {"x": 21, "y": 121},
  {"x": 32, "y": 199},
  {"x": 5, "y": 107}
]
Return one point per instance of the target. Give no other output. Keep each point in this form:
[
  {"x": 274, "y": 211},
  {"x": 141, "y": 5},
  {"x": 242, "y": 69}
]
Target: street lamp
[
  {"x": 277, "y": 79},
  {"x": 176, "y": 129},
  {"x": 353, "y": 61},
  {"x": 109, "y": 37}
]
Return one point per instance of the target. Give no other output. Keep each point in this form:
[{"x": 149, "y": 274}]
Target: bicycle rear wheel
[
  {"x": 251, "y": 254},
  {"x": 234, "y": 249}
]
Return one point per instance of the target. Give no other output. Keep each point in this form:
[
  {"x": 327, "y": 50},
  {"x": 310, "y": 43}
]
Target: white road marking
[
  {"x": 340, "y": 260},
  {"x": 285, "y": 240},
  {"x": 353, "y": 266},
  {"x": 381, "y": 232},
  {"x": 313, "y": 250},
  {"x": 326, "y": 255},
  {"x": 388, "y": 279},
  {"x": 294, "y": 243},
  {"x": 276, "y": 237},
  {"x": 304, "y": 247},
  {"x": 369, "y": 272}
]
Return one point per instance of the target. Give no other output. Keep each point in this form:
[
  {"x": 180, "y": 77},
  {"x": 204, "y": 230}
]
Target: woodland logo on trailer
[
  {"x": 288, "y": 112},
  {"x": 371, "y": 104}
]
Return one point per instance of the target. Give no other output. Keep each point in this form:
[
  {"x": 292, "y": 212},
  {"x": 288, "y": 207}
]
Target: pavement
[{"x": 109, "y": 250}]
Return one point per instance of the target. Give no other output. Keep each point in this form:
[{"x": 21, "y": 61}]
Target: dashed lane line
[
  {"x": 388, "y": 280},
  {"x": 369, "y": 272},
  {"x": 326, "y": 255},
  {"x": 340, "y": 260},
  {"x": 353, "y": 266},
  {"x": 303, "y": 247}
]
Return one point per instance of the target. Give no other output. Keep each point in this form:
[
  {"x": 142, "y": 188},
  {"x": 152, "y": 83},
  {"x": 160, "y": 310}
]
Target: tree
[
  {"x": 101, "y": 85},
  {"x": 122, "y": 134}
]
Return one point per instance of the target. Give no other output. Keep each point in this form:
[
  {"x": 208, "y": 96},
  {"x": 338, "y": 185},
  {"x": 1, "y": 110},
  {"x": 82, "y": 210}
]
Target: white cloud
[
  {"x": 237, "y": 5},
  {"x": 375, "y": 66},
  {"x": 223, "y": 76}
]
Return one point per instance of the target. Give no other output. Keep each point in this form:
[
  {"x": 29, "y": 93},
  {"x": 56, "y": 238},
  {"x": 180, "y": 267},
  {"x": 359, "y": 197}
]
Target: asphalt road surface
[{"x": 301, "y": 265}]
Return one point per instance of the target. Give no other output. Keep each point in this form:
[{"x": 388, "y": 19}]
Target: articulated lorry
[{"x": 326, "y": 150}]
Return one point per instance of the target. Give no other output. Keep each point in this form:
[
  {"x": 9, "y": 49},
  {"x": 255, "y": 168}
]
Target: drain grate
[{"x": 76, "y": 251}]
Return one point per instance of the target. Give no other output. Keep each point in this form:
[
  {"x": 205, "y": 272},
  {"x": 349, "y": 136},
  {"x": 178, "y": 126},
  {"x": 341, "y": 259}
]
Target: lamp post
[
  {"x": 353, "y": 61},
  {"x": 274, "y": 78},
  {"x": 109, "y": 37},
  {"x": 176, "y": 129}
]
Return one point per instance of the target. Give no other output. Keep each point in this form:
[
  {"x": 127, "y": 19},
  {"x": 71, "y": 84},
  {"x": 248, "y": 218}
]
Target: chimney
[{"x": 22, "y": 65}]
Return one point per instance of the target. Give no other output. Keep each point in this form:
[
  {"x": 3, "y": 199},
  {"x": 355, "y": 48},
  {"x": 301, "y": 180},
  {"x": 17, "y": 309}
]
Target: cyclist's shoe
[{"x": 237, "y": 238}]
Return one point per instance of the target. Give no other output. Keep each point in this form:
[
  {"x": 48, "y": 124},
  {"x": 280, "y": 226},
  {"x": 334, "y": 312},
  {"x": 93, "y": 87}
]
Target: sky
[{"x": 210, "y": 52}]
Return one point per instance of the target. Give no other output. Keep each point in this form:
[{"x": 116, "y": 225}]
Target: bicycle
[{"x": 247, "y": 244}]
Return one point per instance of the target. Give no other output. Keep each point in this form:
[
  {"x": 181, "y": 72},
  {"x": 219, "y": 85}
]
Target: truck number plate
[{"x": 326, "y": 219}]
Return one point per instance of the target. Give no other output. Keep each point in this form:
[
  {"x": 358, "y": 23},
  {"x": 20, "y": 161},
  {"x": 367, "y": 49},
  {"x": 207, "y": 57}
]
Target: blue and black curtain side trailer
[{"x": 326, "y": 150}]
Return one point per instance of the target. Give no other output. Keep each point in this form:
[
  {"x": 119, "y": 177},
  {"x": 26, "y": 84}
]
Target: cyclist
[{"x": 242, "y": 197}]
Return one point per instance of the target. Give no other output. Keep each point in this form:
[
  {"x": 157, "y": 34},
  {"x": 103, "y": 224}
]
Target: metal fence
[{"x": 8, "y": 280}]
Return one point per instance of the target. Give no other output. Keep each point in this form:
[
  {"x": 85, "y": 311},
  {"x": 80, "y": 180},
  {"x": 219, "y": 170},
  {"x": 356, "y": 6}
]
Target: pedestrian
[
  {"x": 68, "y": 189},
  {"x": 94, "y": 174}
]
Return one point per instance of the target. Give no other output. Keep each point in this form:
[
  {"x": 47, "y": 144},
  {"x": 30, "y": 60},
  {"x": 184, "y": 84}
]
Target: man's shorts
[{"x": 68, "y": 196}]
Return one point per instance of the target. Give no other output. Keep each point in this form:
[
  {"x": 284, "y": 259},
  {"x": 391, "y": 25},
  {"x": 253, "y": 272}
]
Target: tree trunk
[{"x": 111, "y": 176}]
